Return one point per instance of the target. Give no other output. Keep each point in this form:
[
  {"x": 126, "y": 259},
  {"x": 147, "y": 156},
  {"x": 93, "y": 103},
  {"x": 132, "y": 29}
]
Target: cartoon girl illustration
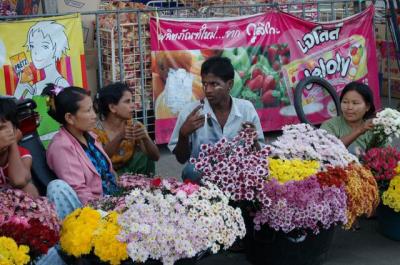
[{"x": 47, "y": 42}]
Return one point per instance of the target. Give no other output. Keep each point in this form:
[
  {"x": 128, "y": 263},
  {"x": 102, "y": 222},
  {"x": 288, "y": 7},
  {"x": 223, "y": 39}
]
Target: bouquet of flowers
[
  {"x": 178, "y": 220},
  {"x": 301, "y": 141},
  {"x": 391, "y": 197},
  {"x": 86, "y": 230},
  {"x": 234, "y": 166},
  {"x": 319, "y": 200},
  {"x": 159, "y": 219},
  {"x": 29, "y": 221},
  {"x": 296, "y": 199},
  {"x": 301, "y": 205},
  {"x": 382, "y": 162},
  {"x": 360, "y": 187},
  {"x": 387, "y": 126},
  {"x": 11, "y": 253}
]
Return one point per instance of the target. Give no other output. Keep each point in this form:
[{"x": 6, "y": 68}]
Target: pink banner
[{"x": 271, "y": 53}]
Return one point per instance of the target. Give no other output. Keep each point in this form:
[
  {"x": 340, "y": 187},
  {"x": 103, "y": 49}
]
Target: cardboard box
[
  {"x": 392, "y": 66},
  {"x": 395, "y": 87},
  {"x": 87, "y": 21},
  {"x": 380, "y": 31}
]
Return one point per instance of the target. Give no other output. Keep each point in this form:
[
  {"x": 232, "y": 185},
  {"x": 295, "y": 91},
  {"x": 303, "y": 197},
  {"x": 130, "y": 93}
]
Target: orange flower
[{"x": 362, "y": 193}]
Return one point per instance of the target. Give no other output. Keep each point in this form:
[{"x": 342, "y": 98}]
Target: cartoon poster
[
  {"x": 36, "y": 52},
  {"x": 271, "y": 52}
]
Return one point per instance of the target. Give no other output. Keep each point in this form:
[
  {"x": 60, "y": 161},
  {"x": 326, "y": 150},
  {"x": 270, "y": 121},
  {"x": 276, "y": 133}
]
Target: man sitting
[{"x": 218, "y": 115}]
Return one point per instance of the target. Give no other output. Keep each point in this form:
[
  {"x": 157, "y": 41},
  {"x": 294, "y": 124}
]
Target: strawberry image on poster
[{"x": 262, "y": 82}]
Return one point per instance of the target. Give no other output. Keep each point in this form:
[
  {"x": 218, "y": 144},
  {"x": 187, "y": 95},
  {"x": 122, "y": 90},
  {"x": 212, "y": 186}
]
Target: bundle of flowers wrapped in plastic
[
  {"x": 11, "y": 253},
  {"x": 160, "y": 219},
  {"x": 301, "y": 141},
  {"x": 29, "y": 221},
  {"x": 387, "y": 126},
  {"x": 234, "y": 166}
]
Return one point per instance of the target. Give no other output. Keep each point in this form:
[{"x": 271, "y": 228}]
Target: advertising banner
[
  {"x": 39, "y": 51},
  {"x": 271, "y": 52}
]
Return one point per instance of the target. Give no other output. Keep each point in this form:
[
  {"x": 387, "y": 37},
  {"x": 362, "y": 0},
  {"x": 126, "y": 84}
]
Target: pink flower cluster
[
  {"x": 138, "y": 181},
  {"x": 29, "y": 221},
  {"x": 128, "y": 181},
  {"x": 301, "y": 205},
  {"x": 236, "y": 167},
  {"x": 382, "y": 162},
  {"x": 18, "y": 205}
]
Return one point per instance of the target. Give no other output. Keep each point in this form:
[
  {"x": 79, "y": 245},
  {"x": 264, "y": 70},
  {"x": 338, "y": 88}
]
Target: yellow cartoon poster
[{"x": 39, "y": 51}]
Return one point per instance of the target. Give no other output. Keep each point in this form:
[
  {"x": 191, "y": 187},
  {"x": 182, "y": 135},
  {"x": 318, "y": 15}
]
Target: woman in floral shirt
[{"x": 126, "y": 141}]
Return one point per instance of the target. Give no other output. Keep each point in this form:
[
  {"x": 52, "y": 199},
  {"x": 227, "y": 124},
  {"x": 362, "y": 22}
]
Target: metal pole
[
  {"x": 100, "y": 67},
  {"x": 142, "y": 72},
  {"x": 120, "y": 59}
]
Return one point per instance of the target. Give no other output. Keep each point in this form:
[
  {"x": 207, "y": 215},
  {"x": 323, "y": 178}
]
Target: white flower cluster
[
  {"x": 307, "y": 143},
  {"x": 168, "y": 226},
  {"x": 387, "y": 123}
]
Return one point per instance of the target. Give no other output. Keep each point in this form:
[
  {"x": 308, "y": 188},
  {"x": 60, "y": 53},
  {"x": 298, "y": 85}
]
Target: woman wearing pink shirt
[{"x": 74, "y": 154}]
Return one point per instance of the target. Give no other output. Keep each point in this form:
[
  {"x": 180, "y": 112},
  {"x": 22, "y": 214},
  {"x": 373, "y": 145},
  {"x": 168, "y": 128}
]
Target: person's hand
[
  {"x": 24, "y": 90},
  {"x": 128, "y": 133},
  {"x": 367, "y": 125},
  {"x": 7, "y": 135},
  {"x": 139, "y": 132},
  {"x": 192, "y": 122},
  {"x": 18, "y": 135}
]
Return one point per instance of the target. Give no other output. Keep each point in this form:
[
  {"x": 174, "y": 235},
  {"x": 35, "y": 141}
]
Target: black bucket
[
  {"x": 269, "y": 247},
  {"x": 389, "y": 222},
  {"x": 92, "y": 259}
]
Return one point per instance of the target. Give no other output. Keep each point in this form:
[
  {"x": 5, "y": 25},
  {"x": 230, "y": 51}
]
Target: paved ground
[{"x": 363, "y": 247}]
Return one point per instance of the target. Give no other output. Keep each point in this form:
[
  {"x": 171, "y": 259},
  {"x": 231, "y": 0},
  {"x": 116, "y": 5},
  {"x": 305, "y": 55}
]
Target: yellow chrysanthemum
[
  {"x": 391, "y": 197},
  {"x": 77, "y": 231},
  {"x": 105, "y": 242},
  {"x": 397, "y": 169},
  {"x": 295, "y": 169},
  {"x": 11, "y": 253}
]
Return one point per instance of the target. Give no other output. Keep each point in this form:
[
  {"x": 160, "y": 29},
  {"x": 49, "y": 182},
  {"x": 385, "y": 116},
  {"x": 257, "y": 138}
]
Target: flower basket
[
  {"x": 270, "y": 247},
  {"x": 160, "y": 221},
  {"x": 389, "y": 222}
]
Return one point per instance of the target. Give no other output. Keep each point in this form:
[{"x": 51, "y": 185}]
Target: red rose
[{"x": 156, "y": 182}]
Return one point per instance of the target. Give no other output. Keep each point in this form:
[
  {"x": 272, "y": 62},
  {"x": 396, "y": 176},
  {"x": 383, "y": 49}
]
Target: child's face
[{"x": 42, "y": 50}]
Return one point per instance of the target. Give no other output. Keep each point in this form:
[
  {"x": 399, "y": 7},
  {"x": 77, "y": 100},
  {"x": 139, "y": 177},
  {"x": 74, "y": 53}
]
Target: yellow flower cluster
[
  {"x": 362, "y": 193},
  {"x": 77, "y": 231},
  {"x": 397, "y": 169},
  {"x": 294, "y": 169},
  {"x": 105, "y": 242},
  {"x": 85, "y": 229},
  {"x": 391, "y": 197},
  {"x": 11, "y": 253}
]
